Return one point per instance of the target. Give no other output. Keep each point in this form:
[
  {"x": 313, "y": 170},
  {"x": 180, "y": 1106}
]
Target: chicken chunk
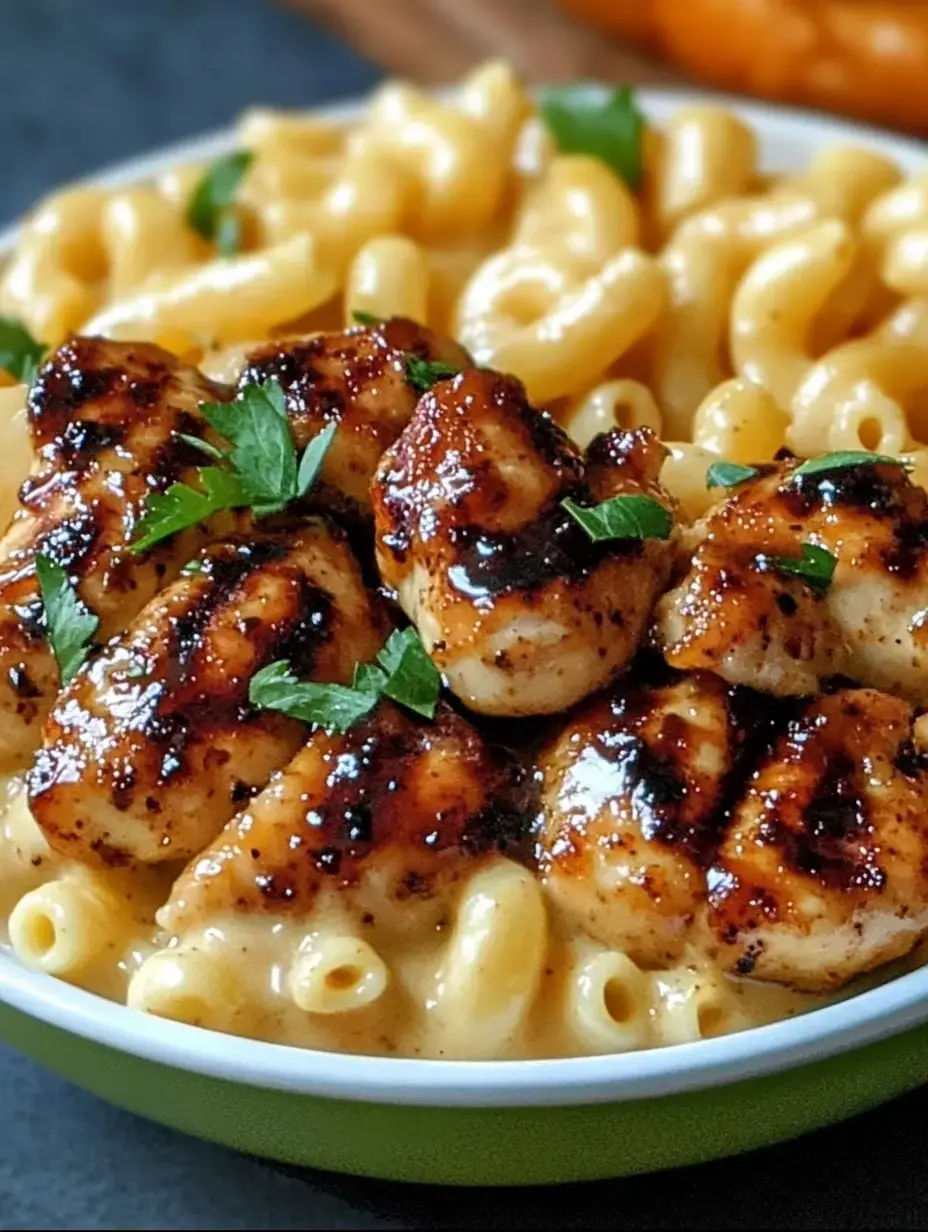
[
  {"x": 739, "y": 613},
  {"x": 153, "y": 746},
  {"x": 387, "y": 818},
  {"x": 356, "y": 379},
  {"x": 633, "y": 793},
  {"x": 520, "y": 609},
  {"x": 823, "y": 870},
  {"x": 105, "y": 419}
]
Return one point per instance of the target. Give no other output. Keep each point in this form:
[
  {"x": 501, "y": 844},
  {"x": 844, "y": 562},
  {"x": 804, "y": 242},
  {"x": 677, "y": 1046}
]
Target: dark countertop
[{"x": 89, "y": 82}]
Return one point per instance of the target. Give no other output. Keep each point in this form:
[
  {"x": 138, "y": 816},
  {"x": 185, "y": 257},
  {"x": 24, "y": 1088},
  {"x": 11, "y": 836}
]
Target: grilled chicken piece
[
  {"x": 104, "y": 418},
  {"x": 735, "y": 612},
  {"x": 823, "y": 871},
  {"x": 632, "y": 798},
  {"x": 384, "y": 819},
  {"x": 514, "y": 602},
  {"x": 153, "y": 746},
  {"x": 356, "y": 379}
]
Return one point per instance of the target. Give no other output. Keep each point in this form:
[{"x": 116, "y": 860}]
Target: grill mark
[
  {"x": 832, "y": 828},
  {"x": 179, "y": 713},
  {"x": 489, "y": 564},
  {"x": 364, "y": 811},
  {"x": 74, "y": 542},
  {"x": 874, "y": 488}
]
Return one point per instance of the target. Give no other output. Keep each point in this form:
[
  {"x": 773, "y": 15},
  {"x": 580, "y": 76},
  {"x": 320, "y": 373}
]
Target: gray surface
[{"x": 88, "y": 82}]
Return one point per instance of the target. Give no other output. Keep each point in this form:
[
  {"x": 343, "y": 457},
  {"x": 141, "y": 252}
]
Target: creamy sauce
[{"x": 250, "y": 958}]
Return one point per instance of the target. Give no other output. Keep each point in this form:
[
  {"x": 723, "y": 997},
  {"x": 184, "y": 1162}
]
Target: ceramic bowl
[{"x": 495, "y": 1122}]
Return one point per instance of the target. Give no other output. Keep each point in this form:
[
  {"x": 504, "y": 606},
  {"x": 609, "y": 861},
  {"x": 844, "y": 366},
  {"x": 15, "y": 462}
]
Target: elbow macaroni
[{"x": 729, "y": 309}]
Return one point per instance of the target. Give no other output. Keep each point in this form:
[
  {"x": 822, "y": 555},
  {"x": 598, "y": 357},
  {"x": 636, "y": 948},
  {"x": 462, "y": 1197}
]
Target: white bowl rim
[{"x": 866, "y": 1018}]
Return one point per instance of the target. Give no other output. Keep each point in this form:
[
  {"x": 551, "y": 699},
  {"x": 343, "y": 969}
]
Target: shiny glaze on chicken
[
  {"x": 104, "y": 418},
  {"x": 735, "y": 613},
  {"x": 153, "y": 746},
  {"x": 520, "y": 610},
  {"x": 633, "y": 798},
  {"x": 356, "y": 379},
  {"x": 823, "y": 870},
  {"x": 388, "y": 817}
]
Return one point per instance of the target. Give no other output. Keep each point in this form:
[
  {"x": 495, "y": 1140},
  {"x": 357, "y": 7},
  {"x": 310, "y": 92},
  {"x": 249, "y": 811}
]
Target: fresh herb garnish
[
  {"x": 333, "y": 706},
  {"x": 360, "y": 317},
  {"x": 312, "y": 459},
  {"x": 20, "y": 353},
  {"x": 69, "y": 625},
  {"x": 262, "y": 455},
  {"x": 423, "y": 373},
  {"x": 609, "y": 126},
  {"x": 623, "y": 517},
  {"x": 845, "y": 458},
  {"x": 211, "y": 212},
  {"x": 260, "y": 471},
  {"x": 411, "y": 678},
  {"x": 403, "y": 671},
  {"x": 181, "y": 506},
  {"x": 729, "y": 474},
  {"x": 816, "y": 566},
  {"x": 192, "y": 567}
]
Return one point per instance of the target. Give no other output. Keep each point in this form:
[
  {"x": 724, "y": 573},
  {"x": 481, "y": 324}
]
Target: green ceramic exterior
[{"x": 483, "y": 1146}]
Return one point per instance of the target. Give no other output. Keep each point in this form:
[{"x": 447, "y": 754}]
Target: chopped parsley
[
  {"x": 729, "y": 474},
  {"x": 360, "y": 317},
  {"x": 816, "y": 566},
  {"x": 260, "y": 471},
  {"x": 623, "y": 517},
  {"x": 69, "y": 624},
  {"x": 423, "y": 373},
  {"x": 211, "y": 211},
  {"x": 20, "y": 353},
  {"x": 845, "y": 458},
  {"x": 606, "y": 125},
  {"x": 403, "y": 672}
]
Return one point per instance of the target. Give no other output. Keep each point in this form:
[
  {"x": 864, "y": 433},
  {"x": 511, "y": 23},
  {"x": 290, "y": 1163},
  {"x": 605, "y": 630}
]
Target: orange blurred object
[{"x": 863, "y": 58}]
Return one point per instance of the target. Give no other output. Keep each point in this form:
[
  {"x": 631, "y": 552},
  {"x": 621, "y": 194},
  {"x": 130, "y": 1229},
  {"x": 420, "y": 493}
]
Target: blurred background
[{"x": 88, "y": 83}]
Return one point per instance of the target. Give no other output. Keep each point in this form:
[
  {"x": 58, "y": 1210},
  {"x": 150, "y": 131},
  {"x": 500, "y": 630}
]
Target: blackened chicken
[
  {"x": 356, "y": 379},
  {"x": 518, "y": 607},
  {"x": 105, "y": 419},
  {"x": 154, "y": 746}
]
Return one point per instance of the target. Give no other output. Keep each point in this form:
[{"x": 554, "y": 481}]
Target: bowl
[{"x": 490, "y": 1122}]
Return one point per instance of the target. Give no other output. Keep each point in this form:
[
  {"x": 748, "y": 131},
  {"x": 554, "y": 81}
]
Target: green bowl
[
  {"x": 508, "y": 1122},
  {"x": 480, "y": 1123}
]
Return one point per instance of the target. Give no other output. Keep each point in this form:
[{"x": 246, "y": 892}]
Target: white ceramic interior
[{"x": 788, "y": 138}]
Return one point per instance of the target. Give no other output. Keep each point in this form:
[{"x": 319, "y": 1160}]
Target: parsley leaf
[
  {"x": 585, "y": 120},
  {"x": 623, "y": 517},
  {"x": 260, "y": 471},
  {"x": 816, "y": 566},
  {"x": 403, "y": 671},
  {"x": 423, "y": 373},
  {"x": 69, "y": 624},
  {"x": 197, "y": 442},
  {"x": 369, "y": 678},
  {"x": 20, "y": 353},
  {"x": 412, "y": 678},
  {"x": 365, "y": 318},
  {"x": 729, "y": 474},
  {"x": 333, "y": 706},
  {"x": 262, "y": 455},
  {"x": 211, "y": 211},
  {"x": 838, "y": 461},
  {"x": 312, "y": 459},
  {"x": 181, "y": 506}
]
